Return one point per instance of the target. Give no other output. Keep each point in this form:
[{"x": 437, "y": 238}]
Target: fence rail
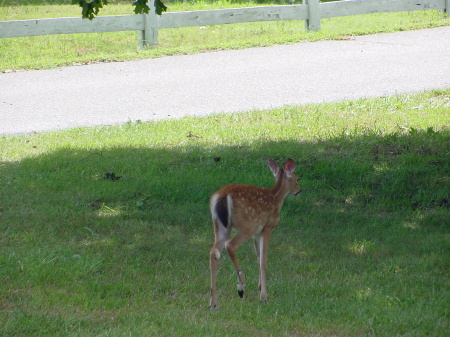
[{"x": 147, "y": 25}]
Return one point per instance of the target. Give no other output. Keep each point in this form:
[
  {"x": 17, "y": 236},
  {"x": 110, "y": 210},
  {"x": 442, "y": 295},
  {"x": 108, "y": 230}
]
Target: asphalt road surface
[{"x": 225, "y": 81}]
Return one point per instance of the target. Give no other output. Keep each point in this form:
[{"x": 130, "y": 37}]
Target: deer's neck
[{"x": 279, "y": 190}]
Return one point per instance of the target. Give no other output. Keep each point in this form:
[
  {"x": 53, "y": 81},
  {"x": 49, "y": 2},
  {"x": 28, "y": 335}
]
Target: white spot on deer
[{"x": 240, "y": 287}]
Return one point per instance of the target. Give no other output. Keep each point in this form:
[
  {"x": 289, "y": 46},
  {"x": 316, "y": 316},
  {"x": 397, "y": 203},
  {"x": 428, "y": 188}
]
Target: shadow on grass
[{"x": 111, "y": 228}]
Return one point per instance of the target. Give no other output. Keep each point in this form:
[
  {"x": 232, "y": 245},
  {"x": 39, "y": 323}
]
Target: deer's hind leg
[
  {"x": 232, "y": 246},
  {"x": 221, "y": 235}
]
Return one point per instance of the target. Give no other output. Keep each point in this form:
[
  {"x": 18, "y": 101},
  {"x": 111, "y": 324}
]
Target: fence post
[
  {"x": 149, "y": 36},
  {"x": 446, "y": 11},
  {"x": 313, "y": 21}
]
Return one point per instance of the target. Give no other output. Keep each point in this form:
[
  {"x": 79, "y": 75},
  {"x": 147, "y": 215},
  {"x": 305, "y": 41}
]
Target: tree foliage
[
  {"x": 90, "y": 9},
  {"x": 140, "y": 6}
]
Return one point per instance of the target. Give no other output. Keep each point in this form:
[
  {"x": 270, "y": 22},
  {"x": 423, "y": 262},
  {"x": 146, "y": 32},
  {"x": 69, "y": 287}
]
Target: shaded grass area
[
  {"x": 39, "y": 52},
  {"x": 106, "y": 230}
]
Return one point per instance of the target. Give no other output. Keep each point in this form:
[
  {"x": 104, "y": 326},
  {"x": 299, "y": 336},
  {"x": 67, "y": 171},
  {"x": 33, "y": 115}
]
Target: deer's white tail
[
  {"x": 221, "y": 208},
  {"x": 221, "y": 211}
]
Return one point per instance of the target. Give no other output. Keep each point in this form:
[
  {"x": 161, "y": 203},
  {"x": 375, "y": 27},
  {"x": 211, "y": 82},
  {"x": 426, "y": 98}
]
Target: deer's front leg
[
  {"x": 257, "y": 241},
  {"x": 263, "y": 248}
]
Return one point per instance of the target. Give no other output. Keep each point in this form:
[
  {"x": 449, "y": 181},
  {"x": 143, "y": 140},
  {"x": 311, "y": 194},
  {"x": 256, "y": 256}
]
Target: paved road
[{"x": 225, "y": 81}]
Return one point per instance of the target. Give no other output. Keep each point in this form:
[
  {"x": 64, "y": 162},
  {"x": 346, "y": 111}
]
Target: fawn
[{"x": 253, "y": 212}]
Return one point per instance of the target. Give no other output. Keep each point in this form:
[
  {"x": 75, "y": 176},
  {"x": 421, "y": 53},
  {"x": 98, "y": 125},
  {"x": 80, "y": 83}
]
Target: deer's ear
[
  {"x": 289, "y": 167},
  {"x": 273, "y": 167}
]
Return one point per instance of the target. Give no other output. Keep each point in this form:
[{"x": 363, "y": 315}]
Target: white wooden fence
[{"x": 147, "y": 25}]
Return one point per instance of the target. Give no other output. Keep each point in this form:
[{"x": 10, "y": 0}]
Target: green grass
[
  {"x": 50, "y": 51},
  {"x": 362, "y": 251}
]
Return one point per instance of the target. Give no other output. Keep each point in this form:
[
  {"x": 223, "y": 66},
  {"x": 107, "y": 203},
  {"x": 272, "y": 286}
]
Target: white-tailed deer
[{"x": 253, "y": 212}]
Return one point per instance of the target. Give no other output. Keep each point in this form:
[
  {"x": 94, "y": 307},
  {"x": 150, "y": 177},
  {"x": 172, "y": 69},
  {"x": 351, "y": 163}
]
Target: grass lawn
[
  {"x": 38, "y": 52},
  {"x": 106, "y": 231}
]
